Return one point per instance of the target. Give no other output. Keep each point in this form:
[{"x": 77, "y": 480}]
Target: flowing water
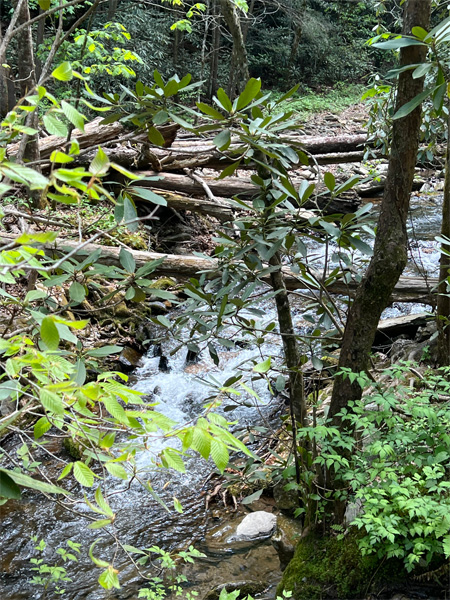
[{"x": 141, "y": 521}]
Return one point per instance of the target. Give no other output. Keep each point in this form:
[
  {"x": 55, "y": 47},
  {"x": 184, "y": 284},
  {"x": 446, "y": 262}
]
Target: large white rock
[{"x": 257, "y": 524}]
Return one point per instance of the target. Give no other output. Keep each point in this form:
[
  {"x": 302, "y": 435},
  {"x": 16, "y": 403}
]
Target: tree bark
[
  {"x": 443, "y": 301},
  {"x": 239, "y": 63},
  {"x": 390, "y": 250}
]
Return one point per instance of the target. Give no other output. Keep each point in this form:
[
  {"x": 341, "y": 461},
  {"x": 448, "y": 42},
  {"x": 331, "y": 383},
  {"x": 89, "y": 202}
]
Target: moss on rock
[{"x": 328, "y": 567}]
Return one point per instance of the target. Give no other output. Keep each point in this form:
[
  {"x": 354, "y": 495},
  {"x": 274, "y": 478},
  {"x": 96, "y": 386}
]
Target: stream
[{"x": 141, "y": 521}]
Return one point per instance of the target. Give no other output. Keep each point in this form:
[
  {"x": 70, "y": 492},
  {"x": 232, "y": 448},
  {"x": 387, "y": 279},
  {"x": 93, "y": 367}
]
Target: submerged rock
[
  {"x": 285, "y": 538},
  {"x": 129, "y": 359},
  {"x": 256, "y": 525}
]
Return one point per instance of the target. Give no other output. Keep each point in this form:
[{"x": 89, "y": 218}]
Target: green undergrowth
[
  {"x": 308, "y": 102},
  {"x": 333, "y": 567}
]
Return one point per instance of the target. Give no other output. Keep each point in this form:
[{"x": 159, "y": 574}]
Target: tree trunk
[
  {"x": 239, "y": 63},
  {"x": 443, "y": 302},
  {"x": 298, "y": 30},
  {"x": 390, "y": 250},
  {"x": 215, "y": 48}
]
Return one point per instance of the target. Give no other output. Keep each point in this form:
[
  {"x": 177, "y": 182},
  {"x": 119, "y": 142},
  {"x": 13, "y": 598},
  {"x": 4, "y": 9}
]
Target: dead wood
[{"x": 408, "y": 289}]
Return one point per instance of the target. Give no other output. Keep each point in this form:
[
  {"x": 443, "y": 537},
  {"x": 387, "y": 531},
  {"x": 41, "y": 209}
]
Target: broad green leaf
[
  {"x": 127, "y": 261},
  {"x": 155, "y": 137},
  {"x": 219, "y": 454},
  {"x": 63, "y": 72},
  {"x": 34, "y": 484},
  {"x": 54, "y": 126},
  {"x": 223, "y": 100},
  {"x": 228, "y": 171},
  {"x": 116, "y": 470},
  {"x": 97, "y": 561},
  {"x": 51, "y": 401},
  {"x": 99, "y": 524},
  {"x": 262, "y": 367},
  {"x": 252, "y": 497},
  {"x": 8, "y": 487},
  {"x": 60, "y": 157},
  {"x": 100, "y": 164},
  {"x": 49, "y": 333},
  {"x": 146, "y": 194},
  {"x": 83, "y": 474},
  {"x": 400, "y": 42},
  {"x": 115, "y": 409},
  {"x": 171, "y": 458},
  {"x": 44, "y": 4},
  {"x": 40, "y": 427},
  {"x": 249, "y": 93},
  {"x": 329, "y": 181},
  {"x": 201, "y": 441},
  {"x": 77, "y": 292},
  {"x": 222, "y": 140},
  {"x": 73, "y": 115},
  {"x": 109, "y": 579},
  {"x": 102, "y": 503},
  {"x": 104, "y": 351},
  {"x": 130, "y": 214},
  {"x": 67, "y": 469},
  {"x": 412, "y": 104},
  {"x": 210, "y": 111}
]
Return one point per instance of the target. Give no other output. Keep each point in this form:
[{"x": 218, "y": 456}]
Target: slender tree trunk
[
  {"x": 443, "y": 303},
  {"x": 39, "y": 41},
  {"x": 112, "y": 8},
  {"x": 298, "y": 30},
  {"x": 239, "y": 62},
  {"x": 390, "y": 249},
  {"x": 215, "y": 48}
]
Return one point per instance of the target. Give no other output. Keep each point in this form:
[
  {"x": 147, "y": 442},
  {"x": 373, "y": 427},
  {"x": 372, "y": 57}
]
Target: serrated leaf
[
  {"x": 100, "y": 164},
  {"x": 201, "y": 441},
  {"x": 54, "y": 126},
  {"x": 49, "y": 333},
  {"x": 173, "y": 459},
  {"x": 63, "y": 72},
  {"x": 177, "y": 505},
  {"x": 109, "y": 579},
  {"x": 67, "y": 469},
  {"x": 102, "y": 503},
  {"x": 83, "y": 474},
  {"x": 73, "y": 115},
  {"x": 116, "y": 470},
  {"x": 40, "y": 427},
  {"x": 219, "y": 454},
  {"x": 115, "y": 409},
  {"x": 51, "y": 401}
]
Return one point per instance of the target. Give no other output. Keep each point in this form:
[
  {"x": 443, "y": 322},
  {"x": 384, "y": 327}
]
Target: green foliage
[{"x": 51, "y": 577}]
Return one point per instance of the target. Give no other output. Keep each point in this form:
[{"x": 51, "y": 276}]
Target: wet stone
[
  {"x": 256, "y": 525},
  {"x": 129, "y": 359}
]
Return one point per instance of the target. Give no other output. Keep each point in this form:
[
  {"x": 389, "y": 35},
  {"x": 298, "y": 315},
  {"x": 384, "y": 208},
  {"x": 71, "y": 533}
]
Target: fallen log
[
  {"x": 408, "y": 289},
  {"x": 95, "y": 135},
  {"x": 389, "y": 329},
  {"x": 237, "y": 186},
  {"x": 220, "y": 209}
]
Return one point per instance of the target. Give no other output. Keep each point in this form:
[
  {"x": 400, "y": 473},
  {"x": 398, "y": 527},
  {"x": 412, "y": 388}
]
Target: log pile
[{"x": 408, "y": 289}]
